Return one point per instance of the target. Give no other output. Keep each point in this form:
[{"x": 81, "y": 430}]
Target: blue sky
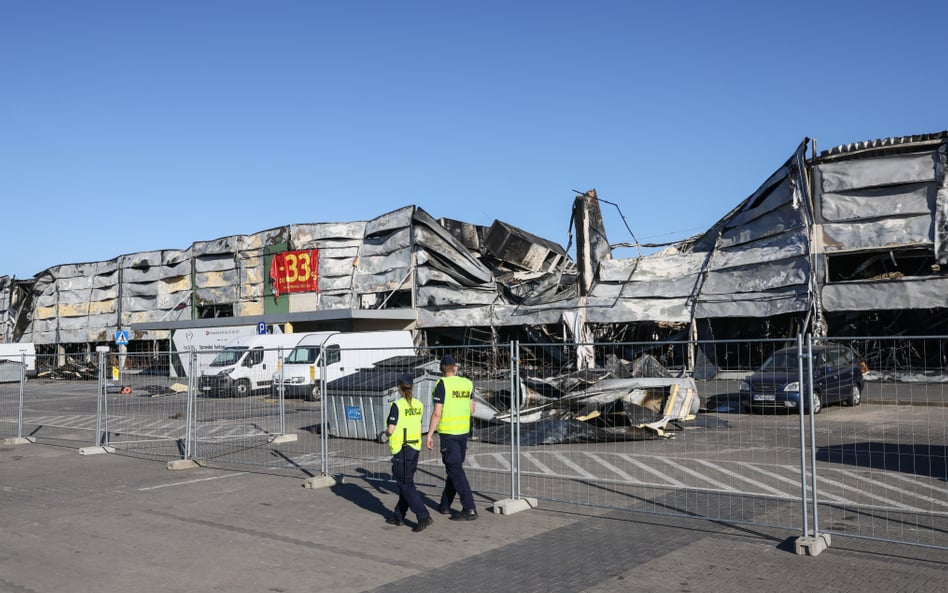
[{"x": 132, "y": 126}]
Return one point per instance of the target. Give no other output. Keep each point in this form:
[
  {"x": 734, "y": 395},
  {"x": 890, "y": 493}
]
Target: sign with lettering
[{"x": 294, "y": 271}]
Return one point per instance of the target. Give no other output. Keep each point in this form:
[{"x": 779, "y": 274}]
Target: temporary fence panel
[
  {"x": 623, "y": 426},
  {"x": 144, "y": 411},
  {"x": 242, "y": 420},
  {"x": 12, "y": 391},
  {"x": 707, "y": 429},
  {"x": 882, "y": 469},
  {"x": 357, "y": 409},
  {"x": 58, "y": 405}
]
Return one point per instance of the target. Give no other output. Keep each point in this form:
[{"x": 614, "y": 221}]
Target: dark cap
[
  {"x": 406, "y": 379},
  {"x": 448, "y": 360}
]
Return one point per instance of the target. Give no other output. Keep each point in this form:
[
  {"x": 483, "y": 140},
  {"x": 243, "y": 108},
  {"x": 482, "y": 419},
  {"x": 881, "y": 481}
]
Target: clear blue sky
[{"x": 132, "y": 126}]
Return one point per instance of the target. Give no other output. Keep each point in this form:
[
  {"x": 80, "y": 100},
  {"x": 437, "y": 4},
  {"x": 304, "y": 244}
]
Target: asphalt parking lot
[{"x": 111, "y": 523}]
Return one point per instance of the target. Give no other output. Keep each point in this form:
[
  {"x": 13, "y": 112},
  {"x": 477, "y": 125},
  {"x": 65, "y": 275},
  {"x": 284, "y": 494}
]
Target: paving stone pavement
[{"x": 110, "y": 523}]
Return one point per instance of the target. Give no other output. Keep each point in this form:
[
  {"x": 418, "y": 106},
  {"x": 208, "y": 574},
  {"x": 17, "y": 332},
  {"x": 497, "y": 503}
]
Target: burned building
[{"x": 850, "y": 241}]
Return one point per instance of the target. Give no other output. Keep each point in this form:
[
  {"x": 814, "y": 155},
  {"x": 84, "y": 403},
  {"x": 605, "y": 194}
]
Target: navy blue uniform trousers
[
  {"x": 453, "y": 451},
  {"x": 404, "y": 464}
]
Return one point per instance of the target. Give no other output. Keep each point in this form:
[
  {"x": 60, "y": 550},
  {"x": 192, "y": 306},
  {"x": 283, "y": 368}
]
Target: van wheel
[
  {"x": 314, "y": 395},
  {"x": 242, "y": 388}
]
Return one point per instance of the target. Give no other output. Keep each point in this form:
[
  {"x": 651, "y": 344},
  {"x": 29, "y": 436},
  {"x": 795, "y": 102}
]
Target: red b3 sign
[{"x": 294, "y": 271}]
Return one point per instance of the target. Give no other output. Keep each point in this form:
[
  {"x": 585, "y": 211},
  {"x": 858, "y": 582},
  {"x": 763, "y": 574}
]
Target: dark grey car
[{"x": 776, "y": 384}]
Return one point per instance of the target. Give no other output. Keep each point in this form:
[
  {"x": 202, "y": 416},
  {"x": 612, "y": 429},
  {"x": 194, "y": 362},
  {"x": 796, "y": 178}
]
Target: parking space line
[
  {"x": 573, "y": 465},
  {"x": 611, "y": 467},
  {"x": 908, "y": 493},
  {"x": 796, "y": 483},
  {"x": 824, "y": 480},
  {"x": 652, "y": 471},
  {"x": 501, "y": 459},
  {"x": 705, "y": 478},
  {"x": 170, "y": 484},
  {"x": 728, "y": 472},
  {"x": 543, "y": 468},
  {"x": 940, "y": 488}
]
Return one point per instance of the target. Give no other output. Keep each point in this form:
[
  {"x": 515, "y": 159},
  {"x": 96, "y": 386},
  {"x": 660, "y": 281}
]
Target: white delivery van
[
  {"x": 246, "y": 365},
  {"x": 21, "y": 352},
  {"x": 342, "y": 353}
]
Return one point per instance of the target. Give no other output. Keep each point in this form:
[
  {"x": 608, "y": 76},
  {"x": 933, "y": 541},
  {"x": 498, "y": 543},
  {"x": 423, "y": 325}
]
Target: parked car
[{"x": 776, "y": 384}]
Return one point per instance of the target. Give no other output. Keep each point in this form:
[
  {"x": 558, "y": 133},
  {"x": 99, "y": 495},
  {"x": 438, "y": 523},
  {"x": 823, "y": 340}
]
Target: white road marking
[
  {"x": 501, "y": 460},
  {"x": 610, "y": 467},
  {"x": 653, "y": 471},
  {"x": 795, "y": 482},
  {"x": 169, "y": 485},
  {"x": 824, "y": 480},
  {"x": 876, "y": 483},
  {"x": 728, "y": 472},
  {"x": 573, "y": 465},
  {"x": 705, "y": 478},
  {"x": 543, "y": 468}
]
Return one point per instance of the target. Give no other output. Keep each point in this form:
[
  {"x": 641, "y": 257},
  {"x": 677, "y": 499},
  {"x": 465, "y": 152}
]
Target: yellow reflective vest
[
  {"x": 409, "y": 417},
  {"x": 456, "y": 410}
]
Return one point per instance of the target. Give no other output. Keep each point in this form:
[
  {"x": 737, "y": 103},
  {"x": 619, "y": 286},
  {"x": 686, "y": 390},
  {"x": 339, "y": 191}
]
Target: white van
[
  {"x": 246, "y": 365},
  {"x": 342, "y": 353},
  {"x": 22, "y": 352}
]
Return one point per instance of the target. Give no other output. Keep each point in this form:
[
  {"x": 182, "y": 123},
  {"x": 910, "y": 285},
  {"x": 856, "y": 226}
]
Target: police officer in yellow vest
[
  {"x": 404, "y": 441},
  {"x": 451, "y": 418}
]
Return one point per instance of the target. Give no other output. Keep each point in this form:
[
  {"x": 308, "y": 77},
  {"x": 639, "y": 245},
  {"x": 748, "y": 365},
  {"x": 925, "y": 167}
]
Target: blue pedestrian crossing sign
[{"x": 121, "y": 337}]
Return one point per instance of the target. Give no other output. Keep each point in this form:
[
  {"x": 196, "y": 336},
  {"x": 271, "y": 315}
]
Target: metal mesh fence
[
  {"x": 12, "y": 384},
  {"x": 881, "y": 467},
  {"x": 357, "y": 409},
  {"x": 58, "y": 403},
  {"x": 631, "y": 432},
  {"x": 145, "y": 412},
  {"x": 734, "y": 431}
]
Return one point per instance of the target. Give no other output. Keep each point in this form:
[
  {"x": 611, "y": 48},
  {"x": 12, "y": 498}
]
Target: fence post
[
  {"x": 280, "y": 399},
  {"x": 99, "y": 397},
  {"x": 19, "y": 412},
  {"x": 324, "y": 480},
  {"x": 514, "y": 423},
  {"x": 189, "y": 406},
  {"x": 815, "y": 498},
  {"x": 807, "y": 544},
  {"x": 323, "y": 420},
  {"x": 516, "y": 502}
]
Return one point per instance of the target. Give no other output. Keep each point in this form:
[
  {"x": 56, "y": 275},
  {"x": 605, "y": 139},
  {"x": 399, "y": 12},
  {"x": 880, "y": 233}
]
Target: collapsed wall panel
[
  {"x": 902, "y": 293},
  {"x": 758, "y": 257},
  {"x": 879, "y": 220}
]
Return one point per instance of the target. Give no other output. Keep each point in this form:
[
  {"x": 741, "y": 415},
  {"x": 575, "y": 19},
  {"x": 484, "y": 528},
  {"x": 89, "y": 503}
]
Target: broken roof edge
[{"x": 894, "y": 144}]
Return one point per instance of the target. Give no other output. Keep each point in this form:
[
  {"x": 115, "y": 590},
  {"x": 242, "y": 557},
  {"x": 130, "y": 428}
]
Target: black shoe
[
  {"x": 465, "y": 515},
  {"x": 444, "y": 510},
  {"x": 422, "y": 524},
  {"x": 394, "y": 521}
]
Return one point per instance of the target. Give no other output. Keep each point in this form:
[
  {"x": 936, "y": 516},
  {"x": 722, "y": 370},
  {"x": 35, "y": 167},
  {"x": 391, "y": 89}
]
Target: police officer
[
  {"x": 451, "y": 418},
  {"x": 404, "y": 441}
]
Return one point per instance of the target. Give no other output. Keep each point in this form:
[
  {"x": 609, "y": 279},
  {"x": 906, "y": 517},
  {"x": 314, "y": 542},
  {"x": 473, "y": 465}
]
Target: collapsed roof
[{"x": 860, "y": 228}]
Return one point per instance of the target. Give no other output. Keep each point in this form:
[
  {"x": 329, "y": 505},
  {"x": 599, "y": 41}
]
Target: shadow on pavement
[{"x": 922, "y": 460}]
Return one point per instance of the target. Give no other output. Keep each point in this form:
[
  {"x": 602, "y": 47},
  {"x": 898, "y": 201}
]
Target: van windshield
[
  {"x": 229, "y": 356},
  {"x": 303, "y": 355}
]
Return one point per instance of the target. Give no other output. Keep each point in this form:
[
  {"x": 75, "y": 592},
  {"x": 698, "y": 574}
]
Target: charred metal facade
[{"x": 852, "y": 241}]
